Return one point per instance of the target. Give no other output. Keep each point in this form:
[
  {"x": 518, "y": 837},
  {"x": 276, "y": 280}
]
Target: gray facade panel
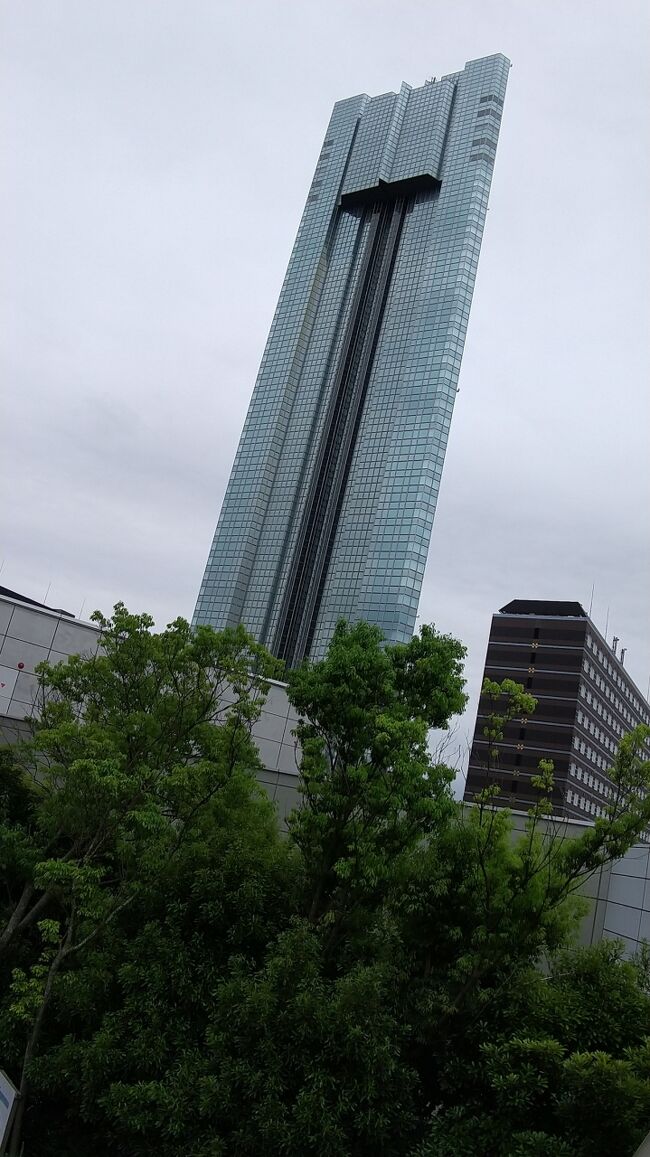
[
  {"x": 74, "y": 638},
  {"x": 22, "y": 655},
  {"x": 32, "y": 626},
  {"x": 6, "y": 611}
]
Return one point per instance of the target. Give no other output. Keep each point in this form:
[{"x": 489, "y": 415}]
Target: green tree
[
  {"x": 123, "y": 766},
  {"x": 369, "y": 983},
  {"x": 560, "y": 1067},
  {"x": 369, "y": 789}
]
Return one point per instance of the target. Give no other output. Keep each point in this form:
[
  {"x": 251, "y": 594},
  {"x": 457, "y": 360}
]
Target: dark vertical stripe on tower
[{"x": 332, "y": 465}]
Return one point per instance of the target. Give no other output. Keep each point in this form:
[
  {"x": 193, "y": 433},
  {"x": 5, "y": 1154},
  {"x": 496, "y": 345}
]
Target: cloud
[{"x": 161, "y": 154}]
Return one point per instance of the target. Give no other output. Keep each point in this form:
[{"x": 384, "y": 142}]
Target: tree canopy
[{"x": 396, "y": 974}]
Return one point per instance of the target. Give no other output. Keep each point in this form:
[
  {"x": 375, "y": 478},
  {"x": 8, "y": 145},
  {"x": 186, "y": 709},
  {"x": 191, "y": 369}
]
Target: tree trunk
[
  {"x": 34, "y": 913},
  {"x": 19, "y": 911},
  {"x": 14, "y": 1145}
]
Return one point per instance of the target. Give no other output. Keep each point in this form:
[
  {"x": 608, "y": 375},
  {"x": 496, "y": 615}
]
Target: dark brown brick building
[{"x": 585, "y": 702}]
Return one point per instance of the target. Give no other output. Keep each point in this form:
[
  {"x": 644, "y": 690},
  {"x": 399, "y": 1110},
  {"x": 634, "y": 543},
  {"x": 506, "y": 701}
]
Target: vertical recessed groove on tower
[{"x": 318, "y": 525}]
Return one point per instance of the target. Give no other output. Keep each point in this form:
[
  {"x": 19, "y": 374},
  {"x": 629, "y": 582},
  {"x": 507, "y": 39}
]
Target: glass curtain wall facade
[{"x": 330, "y": 504}]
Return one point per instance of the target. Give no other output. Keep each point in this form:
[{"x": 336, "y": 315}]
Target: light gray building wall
[
  {"x": 278, "y": 750},
  {"x": 619, "y": 893},
  {"x": 627, "y": 909},
  {"x": 31, "y": 633}
]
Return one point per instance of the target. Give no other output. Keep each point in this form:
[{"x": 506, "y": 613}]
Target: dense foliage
[{"x": 395, "y": 975}]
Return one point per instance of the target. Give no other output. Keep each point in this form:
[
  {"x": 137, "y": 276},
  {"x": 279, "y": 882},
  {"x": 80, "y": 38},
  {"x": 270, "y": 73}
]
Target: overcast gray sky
[{"x": 159, "y": 154}]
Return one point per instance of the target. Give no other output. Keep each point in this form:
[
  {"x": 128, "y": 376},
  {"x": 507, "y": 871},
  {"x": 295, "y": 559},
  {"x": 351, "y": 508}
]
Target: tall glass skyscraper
[{"x": 330, "y": 504}]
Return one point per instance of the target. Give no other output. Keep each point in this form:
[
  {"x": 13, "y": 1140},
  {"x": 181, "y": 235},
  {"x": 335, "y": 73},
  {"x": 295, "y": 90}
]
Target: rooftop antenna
[
  {"x": 615, "y": 642},
  {"x": 623, "y": 650},
  {"x": 81, "y": 609},
  {"x": 606, "y": 624},
  {"x": 591, "y": 600},
  {"x": 48, "y": 590}
]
